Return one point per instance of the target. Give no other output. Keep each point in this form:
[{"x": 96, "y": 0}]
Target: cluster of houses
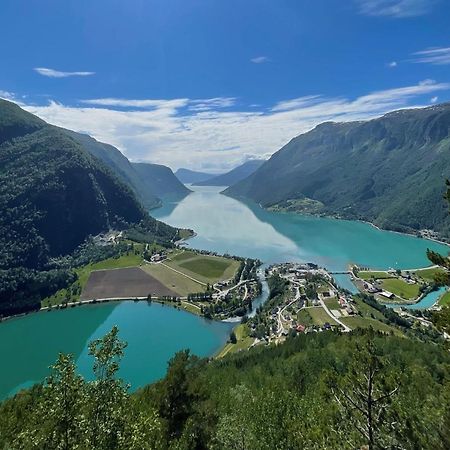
[
  {"x": 110, "y": 238},
  {"x": 158, "y": 257}
]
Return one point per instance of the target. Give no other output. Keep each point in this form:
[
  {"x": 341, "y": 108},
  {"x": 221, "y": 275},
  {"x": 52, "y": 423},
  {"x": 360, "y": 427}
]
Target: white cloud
[
  {"x": 212, "y": 103},
  {"x": 434, "y": 55},
  {"x": 144, "y": 104},
  {"x": 172, "y": 134},
  {"x": 434, "y": 99},
  {"x": 396, "y": 8},
  {"x": 5, "y": 95},
  {"x": 260, "y": 59},
  {"x": 393, "y": 64},
  {"x": 51, "y": 73}
]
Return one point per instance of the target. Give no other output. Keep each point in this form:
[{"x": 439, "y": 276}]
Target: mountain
[
  {"x": 188, "y": 176},
  {"x": 160, "y": 180},
  {"x": 233, "y": 176},
  {"x": 390, "y": 171},
  {"x": 120, "y": 165},
  {"x": 53, "y": 195},
  {"x": 148, "y": 181}
]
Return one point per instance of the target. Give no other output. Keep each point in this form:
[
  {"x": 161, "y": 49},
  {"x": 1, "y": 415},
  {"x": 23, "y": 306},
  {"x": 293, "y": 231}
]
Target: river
[{"x": 154, "y": 333}]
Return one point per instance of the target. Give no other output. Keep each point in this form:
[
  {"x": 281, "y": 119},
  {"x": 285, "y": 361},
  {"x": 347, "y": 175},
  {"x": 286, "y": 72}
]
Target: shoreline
[
  {"x": 99, "y": 301},
  {"x": 422, "y": 296},
  {"x": 329, "y": 216}
]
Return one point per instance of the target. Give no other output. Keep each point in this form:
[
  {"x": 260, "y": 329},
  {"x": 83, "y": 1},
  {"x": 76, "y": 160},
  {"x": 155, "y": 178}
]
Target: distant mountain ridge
[
  {"x": 148, "y": 181},
  {"x": 390, "y": 171},
  {"x": 159, "y": 179},
  {"x": 233, "y": 176},
  {"x": 188, "y": 176}
]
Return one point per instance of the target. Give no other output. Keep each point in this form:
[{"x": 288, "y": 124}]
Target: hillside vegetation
[
  {"x": 389, "y": 171},
  {"x": 53, "y": 195},
  {"x": 312, "y": 392},
  {"x": 148, "y": 181}
]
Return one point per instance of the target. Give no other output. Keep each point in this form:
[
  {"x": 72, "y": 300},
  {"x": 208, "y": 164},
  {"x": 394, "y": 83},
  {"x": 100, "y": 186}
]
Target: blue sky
[{"x": 209, "y": 83}]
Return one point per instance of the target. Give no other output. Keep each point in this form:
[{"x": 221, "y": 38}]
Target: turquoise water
[
  {"x": 226, "y": 225},
  {"x": 427, "y": 302},
  {"x": 29, "y": 345},
  {"x": 154, "y": 333}
]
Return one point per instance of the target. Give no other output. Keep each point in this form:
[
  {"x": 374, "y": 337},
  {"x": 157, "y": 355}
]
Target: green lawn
[
  {"x": 445, "y": 299},
  {"x": 305, "y": 318},
  {"x": 366, "y": 322},
  {"x": 400, "y": 288},
  {"x": 320, "y": 317},
  {"x": 428, "y": 274},
  {"x": 368, "y": 275},
  {"x": 332, "y": 303}
]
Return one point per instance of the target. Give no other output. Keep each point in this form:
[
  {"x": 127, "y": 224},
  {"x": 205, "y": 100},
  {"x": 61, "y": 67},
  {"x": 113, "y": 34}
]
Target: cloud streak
[
  {"x": 172, "y": 133},
  {"x": 395, "y": 8},
  {"x": 436, "y": 55},
  {"x": 260, "y": 59},
  {"x": 51, "y": 73}
]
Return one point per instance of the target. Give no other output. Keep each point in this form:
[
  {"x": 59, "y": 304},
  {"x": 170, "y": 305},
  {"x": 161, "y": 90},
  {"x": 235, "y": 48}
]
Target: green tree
[
  {"x": 365, "y": 393},
  {"x": 58, "y": 420},
  {"x": 108, "y": 395}
]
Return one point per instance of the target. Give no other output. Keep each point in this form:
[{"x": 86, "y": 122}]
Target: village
[{"x": 310, "y": 301}]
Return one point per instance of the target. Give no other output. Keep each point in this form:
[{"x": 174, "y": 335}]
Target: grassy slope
[{"x": 244, "y": 341}]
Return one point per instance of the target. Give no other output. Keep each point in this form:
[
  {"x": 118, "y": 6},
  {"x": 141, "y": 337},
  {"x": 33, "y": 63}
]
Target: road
[
  {"x": 280, "y": 313},
  {"x": 335, "y": 319}
]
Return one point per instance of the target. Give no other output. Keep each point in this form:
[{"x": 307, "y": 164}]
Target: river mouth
[{"x": 29, "y": 345}]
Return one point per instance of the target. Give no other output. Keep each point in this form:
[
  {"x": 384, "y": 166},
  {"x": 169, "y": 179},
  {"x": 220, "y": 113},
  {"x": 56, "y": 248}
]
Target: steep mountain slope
[
  {"x": 121, "y": 167},
  {"x": 191, "y": 176},
  {"x": 159, "y": 179},
  {"x": 53, "y": 195},
  {"x": 390, "y": 171},
  {"x": 233, "y": 176}
]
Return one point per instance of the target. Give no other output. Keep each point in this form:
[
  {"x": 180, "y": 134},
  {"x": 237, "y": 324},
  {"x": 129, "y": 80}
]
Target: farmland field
[
  {"x": 123, "y": 283},
  {"x": 179, "y": 283},
  {"x": 401, "y": 289},
  {"x": 203, "y": 268}
]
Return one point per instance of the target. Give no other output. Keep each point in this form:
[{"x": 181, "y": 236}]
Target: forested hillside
[
  {"x": 233, "y": 176},
  {"x": 160, "y": 179},
  {"x": 53, "y": 195},
  {"x": 315, "y": 391},
  {"x": 119, "y": 165},
  {"x": 390, "y": 171}
]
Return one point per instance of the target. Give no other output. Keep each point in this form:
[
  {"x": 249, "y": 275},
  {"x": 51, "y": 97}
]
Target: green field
[
  {"x": 445, "y": 299},
  {"x": 319, "y": 316},
  {"x": 179, "y": 283},
  {"x": 369, "y": 275},
  {"x": 332, "y": 303},
  {"x": 367, "y": 310},
  {"x": 401, "y": 289},
  {"x": 366, "y": 322},
  {"x": 428, "y": 274},
  {"x": 203, "y": 268}
]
